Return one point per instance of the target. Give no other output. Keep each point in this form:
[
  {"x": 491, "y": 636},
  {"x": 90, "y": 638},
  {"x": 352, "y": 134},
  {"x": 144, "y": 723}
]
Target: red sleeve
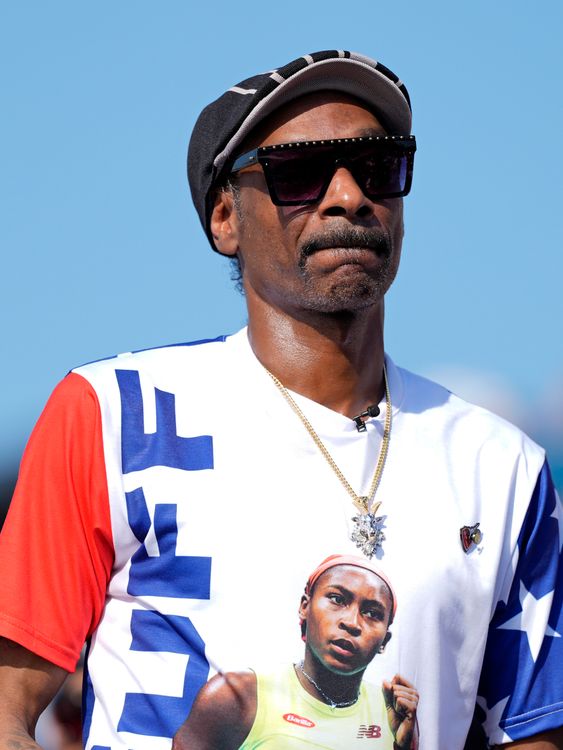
[{"x": 56, "y": 547}]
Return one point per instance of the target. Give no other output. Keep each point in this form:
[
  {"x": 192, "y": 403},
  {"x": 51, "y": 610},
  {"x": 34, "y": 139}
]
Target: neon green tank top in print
[{"x": 288, "y": 718}]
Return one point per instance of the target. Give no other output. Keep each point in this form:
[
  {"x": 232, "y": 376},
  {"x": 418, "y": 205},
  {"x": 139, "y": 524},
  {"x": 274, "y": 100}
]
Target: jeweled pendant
[{"x": 368, "y": 534}]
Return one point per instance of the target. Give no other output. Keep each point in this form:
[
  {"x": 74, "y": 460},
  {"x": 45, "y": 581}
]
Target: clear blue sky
[{"x": 101, "y": 248}]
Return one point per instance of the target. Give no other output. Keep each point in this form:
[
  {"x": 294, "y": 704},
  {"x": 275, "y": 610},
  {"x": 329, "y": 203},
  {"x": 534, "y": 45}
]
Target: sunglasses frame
[{"x": 342, "y": 152}]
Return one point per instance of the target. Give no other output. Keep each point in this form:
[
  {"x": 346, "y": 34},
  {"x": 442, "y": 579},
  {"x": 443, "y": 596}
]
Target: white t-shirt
[{"x": 221, "y": 505}]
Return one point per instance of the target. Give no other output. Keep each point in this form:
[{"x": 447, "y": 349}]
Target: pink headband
[{"x": 359, "y": 562}]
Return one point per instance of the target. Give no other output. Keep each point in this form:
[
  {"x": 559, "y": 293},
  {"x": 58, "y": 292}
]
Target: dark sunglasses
[{"x": 300, "y": 173}]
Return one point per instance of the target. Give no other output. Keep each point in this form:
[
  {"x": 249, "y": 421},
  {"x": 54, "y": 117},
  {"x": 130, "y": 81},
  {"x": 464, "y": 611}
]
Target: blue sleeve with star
[{"x": 521, "y": 686}]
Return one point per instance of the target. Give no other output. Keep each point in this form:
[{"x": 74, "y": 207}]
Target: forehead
[
  {"x": 319, "y": 116},
  {"x": 360, "y": 581}
]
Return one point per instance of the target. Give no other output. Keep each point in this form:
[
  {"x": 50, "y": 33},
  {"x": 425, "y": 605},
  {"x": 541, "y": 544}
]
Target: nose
[
  {"x": 350, "y": 621},
  {"x": 344, "y": 197}
]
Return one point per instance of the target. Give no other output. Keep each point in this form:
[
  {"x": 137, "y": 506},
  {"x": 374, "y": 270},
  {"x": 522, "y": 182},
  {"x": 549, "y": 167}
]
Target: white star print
[
  {"x": 492, "y": 723},
  {"x": 532, "y": 619}
]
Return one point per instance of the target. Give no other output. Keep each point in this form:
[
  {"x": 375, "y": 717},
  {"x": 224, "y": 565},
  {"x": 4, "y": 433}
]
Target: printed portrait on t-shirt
[{"x": 346, "y": 613}]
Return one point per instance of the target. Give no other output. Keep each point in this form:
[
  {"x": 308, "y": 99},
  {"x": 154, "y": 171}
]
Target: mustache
[{"x": 375, "y": 239}]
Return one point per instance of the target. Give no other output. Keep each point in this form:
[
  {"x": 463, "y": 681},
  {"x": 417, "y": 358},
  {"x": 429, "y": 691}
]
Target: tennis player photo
[{"x": 322, "y": 701}]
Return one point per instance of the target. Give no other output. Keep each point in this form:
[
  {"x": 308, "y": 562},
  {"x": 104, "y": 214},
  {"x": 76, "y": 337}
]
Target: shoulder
[
  {"x": 465, "y": 425},
  {"x": 222, "y": 714},
  {"x": 229, "y": 690},
  {"x": 153, "y": 356},
  {"x": 191, "y": 368}
]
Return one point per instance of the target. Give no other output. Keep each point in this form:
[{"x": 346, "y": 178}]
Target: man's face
[
  {"x": 340, "y": 254},
  {"x": 347, "y": 617}
]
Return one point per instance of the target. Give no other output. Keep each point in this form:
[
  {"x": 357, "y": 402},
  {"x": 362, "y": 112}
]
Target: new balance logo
[{"x": 369, "y": 732}]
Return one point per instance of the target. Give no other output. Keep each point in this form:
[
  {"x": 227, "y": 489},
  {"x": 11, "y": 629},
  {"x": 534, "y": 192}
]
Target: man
[
  {"x": 169, "y": 498},
  {"x": 322, "y": 701}
]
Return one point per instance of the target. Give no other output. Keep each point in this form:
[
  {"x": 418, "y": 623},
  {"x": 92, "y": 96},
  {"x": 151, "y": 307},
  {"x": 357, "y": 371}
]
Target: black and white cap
[{"x": 225, "y": 123}]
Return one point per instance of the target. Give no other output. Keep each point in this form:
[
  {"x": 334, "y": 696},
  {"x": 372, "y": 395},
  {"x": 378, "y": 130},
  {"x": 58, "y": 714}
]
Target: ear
[
  {"x": 224, "y": 223},
  {"x": 384, "y": 642},
  {"x": 305, "y": 599}
]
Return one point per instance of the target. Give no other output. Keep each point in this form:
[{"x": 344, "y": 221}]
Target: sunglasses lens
[
  {"x": 381, "y": 174},
  {"x": 297, "y": 177}
]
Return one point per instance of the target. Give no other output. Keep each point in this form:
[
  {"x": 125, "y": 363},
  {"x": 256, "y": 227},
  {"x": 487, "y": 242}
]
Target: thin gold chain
[{"x": 361, "y": 502}]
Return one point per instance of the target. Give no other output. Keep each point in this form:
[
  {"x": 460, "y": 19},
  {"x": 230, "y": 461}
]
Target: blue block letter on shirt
[
  {"x": 162, "y": 715},
  {"x": 164, "y": 447},
  {"x": 166, "y": 574},
  {"x": 169, "y": 575}
]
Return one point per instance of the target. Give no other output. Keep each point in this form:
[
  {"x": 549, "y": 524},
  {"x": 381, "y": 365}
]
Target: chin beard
[
  {"x": 351, "y": 293},
  {"x": 349, "y": 298}
]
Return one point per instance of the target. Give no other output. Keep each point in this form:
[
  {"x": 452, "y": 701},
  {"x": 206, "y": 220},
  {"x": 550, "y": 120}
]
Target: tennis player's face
[{"x": 347, "y": 617}]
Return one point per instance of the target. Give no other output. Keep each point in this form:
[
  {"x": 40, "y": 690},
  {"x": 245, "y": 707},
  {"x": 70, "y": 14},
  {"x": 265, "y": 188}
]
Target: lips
[
  {"x": 343, "y": 255},
  {"x": 344, "y": 259},
  {"x": 345, "y": 647},
  {"x": 341, "y": 246}
]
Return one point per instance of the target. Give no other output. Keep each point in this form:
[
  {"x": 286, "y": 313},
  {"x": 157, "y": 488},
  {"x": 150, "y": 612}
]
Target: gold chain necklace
[{"x": 368, "y": 530}]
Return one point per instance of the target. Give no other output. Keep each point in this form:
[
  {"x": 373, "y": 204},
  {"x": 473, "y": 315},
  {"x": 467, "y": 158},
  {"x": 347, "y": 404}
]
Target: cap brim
[{"x": 350, "y": 76}]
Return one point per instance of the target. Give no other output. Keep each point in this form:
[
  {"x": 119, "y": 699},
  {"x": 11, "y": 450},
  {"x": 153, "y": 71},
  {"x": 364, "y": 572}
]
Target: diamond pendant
[{"x": 368, "y": 534}]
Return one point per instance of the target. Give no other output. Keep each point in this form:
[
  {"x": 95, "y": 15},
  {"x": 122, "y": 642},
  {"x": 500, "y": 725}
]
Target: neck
[
  {"x": 335, "y": 359},
  {"x": 329, "y": 685}
]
